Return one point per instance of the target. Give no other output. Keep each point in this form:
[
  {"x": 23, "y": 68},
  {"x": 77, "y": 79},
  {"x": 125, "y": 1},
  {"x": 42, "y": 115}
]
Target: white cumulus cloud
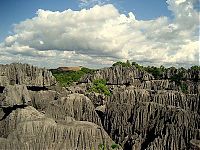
[{"x": 101, "y": 35}]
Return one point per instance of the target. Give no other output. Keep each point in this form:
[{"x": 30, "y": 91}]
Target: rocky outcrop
[
  {"x": 195, "y": 144},
  {"x": 159, "y": 126},
  {"x": 118, "y": 75},
  {"x": 25, "y": 74},
  {"x": 180, "y": 79},
  {"x": 14, "y": 95},
  {"x": 37, "y": 114},
  {"x": 74, "y": 105},
  {"x": 29, "y": 129},
  {"x": 41, "y": 99},
  {"x": 143, "y": 112}
]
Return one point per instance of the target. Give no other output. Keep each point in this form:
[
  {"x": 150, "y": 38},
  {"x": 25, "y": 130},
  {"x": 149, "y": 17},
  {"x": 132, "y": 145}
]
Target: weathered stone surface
[
  {"x": 131, "y": 95},
  {"x": 143, "y": 112},
  {"x": 195, "y": 144},
  {"x": 26, "y": 74},
  {"x": 74, "y": 105},
  {"x": 96, "y": 98},
  {"x": 41, "y": 99},
  {"x": 14, "y": 95},
  {"x": 167, "y": 127},
  {"x": 32, "y": 130},
  {"x": 79, "y": 88},
  {"x": 169, "y": 80},
  {"x": 119, "y": 75},
  {"x": 15, "y": 115},
  {"x": 4, "y": 81}
]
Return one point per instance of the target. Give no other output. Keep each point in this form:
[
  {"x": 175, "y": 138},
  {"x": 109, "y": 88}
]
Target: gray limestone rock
[
  {"x": 195, "y": 144},
  {"x": 119, "y": 75},
  {"x": 74, "y": 105},
  {"x": 14, "y": 95},
  {"x": 41, "y": 99},
  {"x": 28, "y": 129},
  {"x": 142, "y": 112},
  {"x": 25, "y": 74}
]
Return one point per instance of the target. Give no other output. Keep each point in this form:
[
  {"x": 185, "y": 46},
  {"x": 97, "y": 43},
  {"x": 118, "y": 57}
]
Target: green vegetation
[
  {"x": 123, "y": 64},
  {"x": 67, "y": 78},
  {"x": 155, "y": 71},
  {"x": 160, "y": 72},
  {"x": 114, "y": 146},
  {"x": 139, "y": 67},
  {"x": 99, "y": 86},
  {"x": 177, "y": 78},
  {"x": 184, "y": 87},
  {"x": 195, "y": 68}
]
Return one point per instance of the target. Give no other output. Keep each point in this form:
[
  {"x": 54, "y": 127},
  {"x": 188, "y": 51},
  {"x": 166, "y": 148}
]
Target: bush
[
  {"x": 99, "y": 86},
  {"x": 67, "y": 78},
  {"x": 114, "y": 146}
]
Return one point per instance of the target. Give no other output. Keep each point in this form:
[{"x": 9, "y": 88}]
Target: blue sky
[
  {"x": 15, "y": 11},
  {"x": 97, "y": 33}
]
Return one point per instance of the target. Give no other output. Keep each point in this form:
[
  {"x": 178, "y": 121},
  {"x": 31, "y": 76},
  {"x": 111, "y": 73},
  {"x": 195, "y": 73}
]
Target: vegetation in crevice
[
  {"x": 103, "y": 147},
  {"x": 99, "y": 86}
]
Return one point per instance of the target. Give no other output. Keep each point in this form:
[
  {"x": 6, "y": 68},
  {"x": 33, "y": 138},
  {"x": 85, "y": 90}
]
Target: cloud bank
[
  {"x": 101, "y": 35},
  {"x": 89, "y": 3}
]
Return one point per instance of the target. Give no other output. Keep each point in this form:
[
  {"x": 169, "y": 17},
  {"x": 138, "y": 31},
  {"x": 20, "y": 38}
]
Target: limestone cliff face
[
  {"x": 119, "y": 75},
  {"x": 36, "y": 114},
  {"x": 147, "y": 113},
  {"x": 142, "y": 113},
  {"x": 25, "y": 74},
  {"x": 76, "y": 106},
  {"x": 29, "y": 129},
  {"x": 159, "y": 126},
  {"x": 14, "y": 95}
]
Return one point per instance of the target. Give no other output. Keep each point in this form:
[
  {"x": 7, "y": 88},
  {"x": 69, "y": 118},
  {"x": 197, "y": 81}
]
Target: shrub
[
  {"x": 99, "y": 86},
  {"x": 103, "y": 147},
  {"x": 114, "y": 146}
]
